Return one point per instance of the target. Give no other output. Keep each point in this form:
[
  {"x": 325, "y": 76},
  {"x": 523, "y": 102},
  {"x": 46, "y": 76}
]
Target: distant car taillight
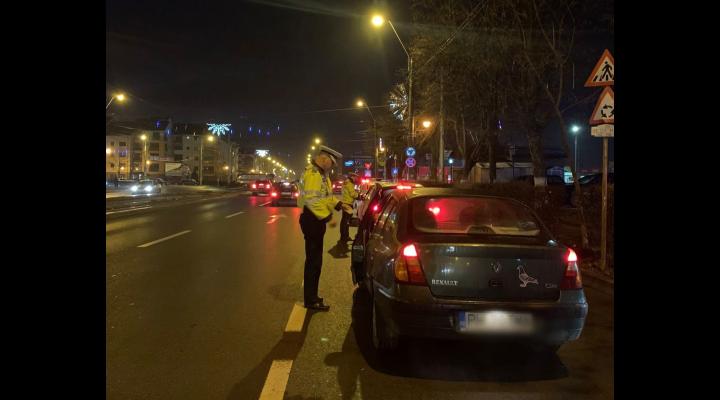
[
  {"x": 375, "y": 208},
  {"x": 273, "y": 194},
  {"x": 296, "y": 194},
  {"x": 407, "y": 267},
  {"x": 254, "y": 186},
  {"x": 404, "y": 187},
  {"x": 571, "y": 277}
]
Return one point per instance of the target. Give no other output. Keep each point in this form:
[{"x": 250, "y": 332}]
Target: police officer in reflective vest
[
  {"x": 349, "y": 194},
  {"x": 318, "y": 203}
]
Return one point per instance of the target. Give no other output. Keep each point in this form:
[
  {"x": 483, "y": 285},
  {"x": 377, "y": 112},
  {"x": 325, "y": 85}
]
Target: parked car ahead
[
  {"x": 550, "y": 179},
  {"x": 595, "y": 179},
  {"x": 442, "y": 263}
]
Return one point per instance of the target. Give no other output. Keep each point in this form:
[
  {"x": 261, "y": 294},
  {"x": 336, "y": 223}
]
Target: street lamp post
[
  {"x": 119, "y": 96},
  {"x": 143, "y": 137},
  {"x": 202, "y": 164},
  {"x": 576, "y": 131},
  {"x": 378, "y": 20},
  {"x": 361, "y": 103}
]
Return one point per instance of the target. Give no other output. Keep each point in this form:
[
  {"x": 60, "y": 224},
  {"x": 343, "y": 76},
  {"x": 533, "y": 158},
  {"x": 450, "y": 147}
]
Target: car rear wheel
[{"x": 382, "y": 339}]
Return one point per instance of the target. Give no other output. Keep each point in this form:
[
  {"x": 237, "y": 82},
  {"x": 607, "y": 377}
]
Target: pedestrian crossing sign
[{"x": 604, "y": 72}]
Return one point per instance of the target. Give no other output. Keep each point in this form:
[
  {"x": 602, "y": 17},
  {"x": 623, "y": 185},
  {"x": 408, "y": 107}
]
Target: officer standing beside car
[
  {"x": 317, "y": 203},
  {"x": 349, "y": 194}
]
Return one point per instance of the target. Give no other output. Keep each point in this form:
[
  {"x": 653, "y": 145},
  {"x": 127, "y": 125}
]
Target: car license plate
[
  {"x": 286, "y": 193},
  {"x": 495, "y": 322}
]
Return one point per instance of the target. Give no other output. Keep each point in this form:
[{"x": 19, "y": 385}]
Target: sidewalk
[{"x": 597, "y": 279}]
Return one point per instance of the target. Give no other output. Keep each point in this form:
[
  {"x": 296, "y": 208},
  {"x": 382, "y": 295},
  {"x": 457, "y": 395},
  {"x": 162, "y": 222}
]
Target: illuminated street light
[
  {"x": 426, "y": 123},
  {"x": 211, "y": 139},
  {"x": 317, "y": 141},
  {"x": 313, "y": 147},
  {"x": 120, "y": 97},
  {"x": 226, "y": 168},
  {"x": 108, "y": 151},
  {"x": 143, "y": 137},
  {"x": 378, "y": 20},
  {"x": 360, "y": 103}
]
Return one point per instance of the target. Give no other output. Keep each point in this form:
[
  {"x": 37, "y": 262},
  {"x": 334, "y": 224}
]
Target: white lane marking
[
  {"x": 297, "y": 319},
  {"x": 164, "y": 239},
  {"x": 131, "y": 209},
  {"x": 237, "y": 213},
  {"x": 276, "y": 381},
  {"x": 264, "y": 204}
]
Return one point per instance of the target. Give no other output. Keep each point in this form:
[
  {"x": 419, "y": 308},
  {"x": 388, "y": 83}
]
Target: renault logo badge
[{"x": 496, "y": 266}]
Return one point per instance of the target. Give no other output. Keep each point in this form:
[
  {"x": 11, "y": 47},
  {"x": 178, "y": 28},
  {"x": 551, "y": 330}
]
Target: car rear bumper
[{"x": 419, "y": 314}]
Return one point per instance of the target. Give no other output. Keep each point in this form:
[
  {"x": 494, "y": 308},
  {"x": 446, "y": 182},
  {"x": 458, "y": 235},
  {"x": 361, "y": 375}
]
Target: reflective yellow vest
[
  {"x": 316, "y": 193},
  {"x": 349, "y": 194}
]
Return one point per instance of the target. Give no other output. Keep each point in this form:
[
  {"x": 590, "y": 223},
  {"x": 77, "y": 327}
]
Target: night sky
[{"x": 267, "y": 63}]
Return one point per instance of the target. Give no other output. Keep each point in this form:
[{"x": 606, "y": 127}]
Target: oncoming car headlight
[
  {"x": 135, "y": 188},
  {"x": 148, "y": 188}
]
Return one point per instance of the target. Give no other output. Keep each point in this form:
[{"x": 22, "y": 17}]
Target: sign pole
[
  {"x": 603, "y": 228},
  {"x": 602, "y": 120}
]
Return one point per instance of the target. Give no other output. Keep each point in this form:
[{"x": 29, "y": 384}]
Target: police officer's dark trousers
[
  {"x": 314, "y": 230},
  {"x": 345, "y": 226}
]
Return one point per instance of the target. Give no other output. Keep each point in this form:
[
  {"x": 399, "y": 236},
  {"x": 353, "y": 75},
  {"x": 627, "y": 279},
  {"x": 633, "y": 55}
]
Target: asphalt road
[{"x": 202, "y": 303}]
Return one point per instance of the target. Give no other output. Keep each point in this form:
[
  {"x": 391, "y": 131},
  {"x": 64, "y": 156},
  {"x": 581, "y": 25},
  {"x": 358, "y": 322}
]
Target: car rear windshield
[{"x": 473, "y": 215}]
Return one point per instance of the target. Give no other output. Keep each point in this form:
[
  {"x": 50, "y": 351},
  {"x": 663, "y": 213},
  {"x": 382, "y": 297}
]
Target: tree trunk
[
  {"x": 492, "y": 160},
  {"x": 536, "y": 154}
]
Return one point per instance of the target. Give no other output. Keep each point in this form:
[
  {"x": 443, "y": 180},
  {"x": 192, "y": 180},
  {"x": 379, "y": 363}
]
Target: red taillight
[
  {"x": 375, "y": 208},
  {"x": 296, "y": 194},
  {"x": 410, "y": 251},
  {"x": 571, "y": 256},
  {"x": 571, "y": 278},
  {"x": 434, "y": 210},
  {"x": 273, "y": 194},
  {"x": 365, "y": 180},
  {"x": 404, "y": 187},
  {"x": 254, "y": 186},
  {"x": 407, "y": 267}
]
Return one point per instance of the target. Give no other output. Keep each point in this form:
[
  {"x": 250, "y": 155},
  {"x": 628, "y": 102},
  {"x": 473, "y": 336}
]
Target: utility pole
[{"x": 441, "y": 148}]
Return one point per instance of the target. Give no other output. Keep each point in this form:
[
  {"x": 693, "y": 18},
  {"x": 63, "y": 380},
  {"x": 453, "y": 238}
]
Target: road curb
[{"x": 168, "y": 200}]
